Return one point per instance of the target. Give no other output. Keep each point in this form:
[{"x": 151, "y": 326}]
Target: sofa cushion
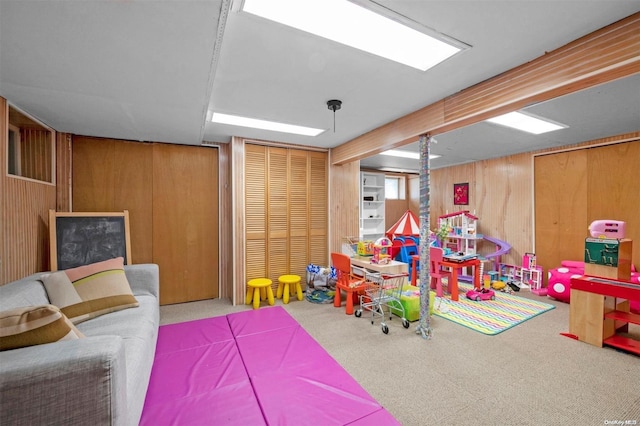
[
  {"x": 91, "y": 290},
  {"x": 35, "y": 325}
]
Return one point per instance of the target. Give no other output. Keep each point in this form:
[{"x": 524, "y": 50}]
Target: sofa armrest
[
  {"x": 72, "y": 382},
  {"x": 144, "y": 279}
]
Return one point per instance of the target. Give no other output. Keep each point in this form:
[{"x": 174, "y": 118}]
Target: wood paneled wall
[
  {"x": 25, "y": 213},
  {"x": 112, "y": 175},
  {"x": 171, "y": 193},
  {"x": 575, "y": 187},
  {"x": 344, "y": 207},
  {"x": 225, "y": 232},
  {"x": 63, "y": 172},
  {"x": 501, "y": 194},
  {"x": 36, "y": 159}
]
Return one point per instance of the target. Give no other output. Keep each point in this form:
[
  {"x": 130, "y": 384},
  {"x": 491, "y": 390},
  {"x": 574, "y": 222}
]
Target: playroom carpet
[{"x": 490, "y": 316}]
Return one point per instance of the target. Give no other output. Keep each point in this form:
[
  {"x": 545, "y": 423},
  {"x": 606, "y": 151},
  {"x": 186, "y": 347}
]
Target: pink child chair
[{"x": 436, "y": 271}]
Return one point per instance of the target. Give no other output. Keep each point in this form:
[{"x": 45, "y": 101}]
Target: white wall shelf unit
[{"x": 372, "y": 200}]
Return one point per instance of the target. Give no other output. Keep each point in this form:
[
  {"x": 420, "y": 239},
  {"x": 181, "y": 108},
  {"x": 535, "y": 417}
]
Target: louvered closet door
[
  {"x": 299, "y": 211},
  {"x": 286, "y": 211},
  {"x": 318, "y": 213},
  {"x": 256, "y": 211}
]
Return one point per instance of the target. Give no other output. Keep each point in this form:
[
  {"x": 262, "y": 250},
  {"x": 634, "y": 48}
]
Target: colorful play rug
[{"x": 490, "y": 316}]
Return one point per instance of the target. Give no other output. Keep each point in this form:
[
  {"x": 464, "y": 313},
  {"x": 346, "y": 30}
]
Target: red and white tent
[{"x": 408, "y": 224}]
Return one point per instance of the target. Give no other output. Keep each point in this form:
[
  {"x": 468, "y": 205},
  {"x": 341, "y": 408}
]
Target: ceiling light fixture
[
  {"x": 527, "y": 122},
  {"x": 235, "y": 120},
  {"x": 356, "y": 26},
  {"x": 334, "y": 105},
  {"x": 406, "y": 154}
]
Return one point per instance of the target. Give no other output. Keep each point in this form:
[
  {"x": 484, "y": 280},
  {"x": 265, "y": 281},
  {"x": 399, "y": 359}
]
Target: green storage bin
[{"x": 410, "y": 300}]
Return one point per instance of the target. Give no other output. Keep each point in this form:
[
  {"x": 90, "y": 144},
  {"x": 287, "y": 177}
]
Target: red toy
[{"x": 481, "y": 294}]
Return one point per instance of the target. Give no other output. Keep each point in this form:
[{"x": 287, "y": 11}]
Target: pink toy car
[{"x": 481, "y": 294}]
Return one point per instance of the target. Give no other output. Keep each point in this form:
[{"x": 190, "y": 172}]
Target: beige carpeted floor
[{"x": 527, "y": 375}]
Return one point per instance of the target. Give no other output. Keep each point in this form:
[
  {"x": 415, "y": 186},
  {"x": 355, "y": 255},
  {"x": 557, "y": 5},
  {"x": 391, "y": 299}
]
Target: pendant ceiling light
[{"x": 334, "y": 105}]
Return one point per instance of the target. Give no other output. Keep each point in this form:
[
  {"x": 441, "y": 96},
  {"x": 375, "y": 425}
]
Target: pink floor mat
[{"x": 251, "y": 368}]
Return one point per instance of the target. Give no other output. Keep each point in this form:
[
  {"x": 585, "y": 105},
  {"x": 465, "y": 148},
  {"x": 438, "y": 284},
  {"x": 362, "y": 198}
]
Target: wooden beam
[{"x": 608, "y": 54}]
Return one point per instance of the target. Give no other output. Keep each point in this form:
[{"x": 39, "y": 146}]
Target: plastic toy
[
  {"x": 481, "y": 294},
  {"x": 365, "y": 248},
  {"x": 498, "y": 285},
  {"x": 382, "y": 251},
  {"x": 607, "y": 229}
]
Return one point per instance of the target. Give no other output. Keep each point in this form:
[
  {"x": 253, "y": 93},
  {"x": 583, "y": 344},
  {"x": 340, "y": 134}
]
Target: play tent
[{"x": 408, "y": 224}]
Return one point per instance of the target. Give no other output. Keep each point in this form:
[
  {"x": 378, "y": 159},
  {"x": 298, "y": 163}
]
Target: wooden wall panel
[
  {"x": 413, "y": 194},
  {"x": 239, "y": 236},
  {"x": 226, "y": 246},
  {"x": 560, "y": 207},
  {"x": 133, "y": 165},
  {"x": 93, "y": 185},
  {"x": 503, "y": 200},
  {"x": 114, "y": 175},
  {"x": 63, "y": 172},
  {"x": 442, "y": 181},
  {"x": 613, "y": 188},
  {"x": 36, "y": 158},
  {"x": 551, "y": 192},
  {"x": 5, "y": 269},
  {"x": 4, "y": 249},
  {"x": 344, "y": 209},
  {"x": 185, "y": 221},
  {"x": 393, "y": 210},
  {"x": 171, "y": 193},
  {"x": 25, "y": 212}
]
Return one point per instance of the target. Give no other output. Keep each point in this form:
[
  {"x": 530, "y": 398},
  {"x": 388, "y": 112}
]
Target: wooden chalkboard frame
[{"x": 83, "y": 218}]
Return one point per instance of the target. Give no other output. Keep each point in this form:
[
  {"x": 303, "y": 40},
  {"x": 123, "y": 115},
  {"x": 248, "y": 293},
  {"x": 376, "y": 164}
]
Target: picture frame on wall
[{"x": 461, "y": 194}]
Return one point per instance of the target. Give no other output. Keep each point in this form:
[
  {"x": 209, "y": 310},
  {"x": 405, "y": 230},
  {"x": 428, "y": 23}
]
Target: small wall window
[
  {"x": 394, "y": 187},
  {"x": 30, "y": 148}
]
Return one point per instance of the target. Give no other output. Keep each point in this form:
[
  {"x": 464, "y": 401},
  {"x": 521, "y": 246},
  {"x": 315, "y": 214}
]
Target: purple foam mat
[
  {"x": 296, "y": 399},
  {"x": 190, "y": 334},
  {"x": 233, "y": 405},
  {"x": 260, "y": 320},
  {"x": 380, "y": 417},
  {"x": 176, "y": 375},
  {"x": 252, "y": 368},
  {"x": 292, "y": 351}
]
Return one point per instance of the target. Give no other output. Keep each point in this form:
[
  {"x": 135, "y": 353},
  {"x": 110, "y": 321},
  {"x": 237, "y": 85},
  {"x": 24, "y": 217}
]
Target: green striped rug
[{"x": 490, "y": 316}]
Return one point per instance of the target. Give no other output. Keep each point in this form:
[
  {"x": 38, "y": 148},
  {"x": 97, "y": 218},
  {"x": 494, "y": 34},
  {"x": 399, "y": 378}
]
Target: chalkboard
[{"x": 78, "y": 239}]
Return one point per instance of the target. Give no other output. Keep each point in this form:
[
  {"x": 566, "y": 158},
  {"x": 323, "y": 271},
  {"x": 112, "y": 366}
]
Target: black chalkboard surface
[{"x": 78, "y": 239}]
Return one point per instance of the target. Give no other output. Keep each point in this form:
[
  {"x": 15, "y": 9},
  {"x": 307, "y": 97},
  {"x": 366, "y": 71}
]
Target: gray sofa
[{"x": 99, "y": 380}]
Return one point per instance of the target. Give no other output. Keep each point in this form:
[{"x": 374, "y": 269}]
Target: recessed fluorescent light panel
[
  {"x": 406, "y": 154},
  {"x": 235, "y": 120},
  {"x": 527, "y": 123},
  {"x": 347, "y": 23}
]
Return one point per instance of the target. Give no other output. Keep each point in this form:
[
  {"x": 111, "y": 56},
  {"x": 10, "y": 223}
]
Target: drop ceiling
[{"x": 157, "y": 70}]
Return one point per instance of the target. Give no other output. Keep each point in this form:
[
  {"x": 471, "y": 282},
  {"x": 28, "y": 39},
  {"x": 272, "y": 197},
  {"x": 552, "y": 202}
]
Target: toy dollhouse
[
  {"x": 463, "y": 236},
  {"x": 528, "y": 275}
]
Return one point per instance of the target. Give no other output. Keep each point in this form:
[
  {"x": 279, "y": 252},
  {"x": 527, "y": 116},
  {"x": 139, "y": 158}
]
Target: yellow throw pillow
[
  {"x": 35, "y": 325},
  {"x": 91, "y": 290}
]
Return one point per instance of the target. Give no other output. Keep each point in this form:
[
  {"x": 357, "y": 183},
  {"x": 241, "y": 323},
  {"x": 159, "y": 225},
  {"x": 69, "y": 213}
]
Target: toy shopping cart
[{"x": 380, "y": 291}]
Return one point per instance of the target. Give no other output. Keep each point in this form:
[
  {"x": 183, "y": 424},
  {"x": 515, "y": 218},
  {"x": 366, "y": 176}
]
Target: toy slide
[{"x": 502, "y": 248}]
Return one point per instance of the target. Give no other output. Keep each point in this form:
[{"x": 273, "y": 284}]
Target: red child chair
[
  {"x": 347, "y": 281},
  {"x": 436, "y": 271}
]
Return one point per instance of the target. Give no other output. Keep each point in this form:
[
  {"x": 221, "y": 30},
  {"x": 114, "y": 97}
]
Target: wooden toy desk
[{"x": 599, "y": 307}]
